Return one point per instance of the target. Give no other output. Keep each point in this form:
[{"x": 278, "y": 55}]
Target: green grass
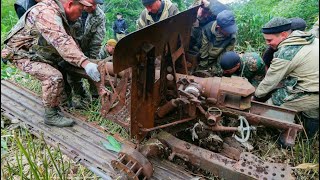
[
  {"x": 251, "y": 16},
  {"x": 31, "y": 158}
]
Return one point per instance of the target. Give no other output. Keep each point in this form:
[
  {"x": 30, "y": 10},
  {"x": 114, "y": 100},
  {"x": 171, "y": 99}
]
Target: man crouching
[{"x": 39, "y": 41}]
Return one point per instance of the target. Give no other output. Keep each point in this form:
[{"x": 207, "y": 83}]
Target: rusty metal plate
[
  {"x": 255, "y": 167},
  {"x": 237, "y": 86},
  {"x": 248, "y": 167},
  {"x": 158, "y": 35}
]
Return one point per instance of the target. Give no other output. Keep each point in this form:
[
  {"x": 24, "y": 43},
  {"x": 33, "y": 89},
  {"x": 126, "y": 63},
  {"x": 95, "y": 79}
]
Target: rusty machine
[{"x": 150, "y": 90}]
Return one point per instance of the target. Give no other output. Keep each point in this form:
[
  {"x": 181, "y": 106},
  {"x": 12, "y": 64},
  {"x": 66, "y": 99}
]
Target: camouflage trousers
[
  {"x": 308, "y": 104},
  {"x": 120, "y": 36},
  {"x": 50, "y": 77}
]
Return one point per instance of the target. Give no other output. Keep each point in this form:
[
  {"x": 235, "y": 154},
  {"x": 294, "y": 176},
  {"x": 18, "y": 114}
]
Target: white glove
[{"x": 92, "y": 71}]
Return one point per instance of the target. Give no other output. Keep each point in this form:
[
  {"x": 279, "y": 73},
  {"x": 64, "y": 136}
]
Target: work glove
[{"x": 92, "y": 71}]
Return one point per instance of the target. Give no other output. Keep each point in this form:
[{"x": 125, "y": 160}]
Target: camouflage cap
[
  {"x": 276, "y": 25},
  {"x": 85, "y": 3}
]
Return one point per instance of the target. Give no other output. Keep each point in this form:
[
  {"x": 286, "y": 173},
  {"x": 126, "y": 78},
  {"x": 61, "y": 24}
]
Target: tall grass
[
  {"x": 31, "y": 158},
  {"x": 251, "y": 15}
]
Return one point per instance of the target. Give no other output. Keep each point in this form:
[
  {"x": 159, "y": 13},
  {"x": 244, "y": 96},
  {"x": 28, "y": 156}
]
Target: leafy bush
[{"x": 251, "y": 15}]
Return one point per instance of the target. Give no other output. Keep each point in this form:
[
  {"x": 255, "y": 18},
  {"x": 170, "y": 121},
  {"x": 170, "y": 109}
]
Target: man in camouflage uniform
[
  {"x": 206, "y": 13},
  {"x": 296, "y": 24},
  {"x": 249, "y": 65},
  {"x": 39, "y": 41},
  {"x": 108, "y": 49},
  {"x": 218, "y": 37},
  {"x": 296, "y": 65},
  {"x": 89, "y": 31},
  {"x": 156, "y": 10}
]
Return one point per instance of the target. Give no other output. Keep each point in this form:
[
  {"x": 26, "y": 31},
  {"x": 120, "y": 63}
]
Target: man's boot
[
  {"x": 311, "y": 126},
  {"x": 53, "y": 118}
]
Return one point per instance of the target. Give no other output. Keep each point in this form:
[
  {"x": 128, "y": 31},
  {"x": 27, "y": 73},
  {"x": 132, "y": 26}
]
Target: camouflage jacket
[
  {"x": 214, "y": 44},
  {"x": 145, "y": 19},
  {"x": 103, "y": 53},
  {"x": 252, "y": 67},
  {"x": 43, "y": 34},
  {"x": 90, "y": 33},
  {"x": 296, "y": 64}
]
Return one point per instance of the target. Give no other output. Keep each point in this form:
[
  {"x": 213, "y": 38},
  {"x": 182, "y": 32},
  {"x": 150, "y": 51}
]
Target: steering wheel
[{"x": 244, "y": 130}]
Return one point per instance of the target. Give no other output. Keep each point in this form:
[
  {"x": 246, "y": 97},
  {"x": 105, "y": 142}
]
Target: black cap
[
  {"x": 147, "y": 2},
  {"x": 229, "y": 60},
  {"x": 298, "y": 24}
]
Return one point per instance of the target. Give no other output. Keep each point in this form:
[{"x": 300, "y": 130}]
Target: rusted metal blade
[{"x": 158, "y": 35}]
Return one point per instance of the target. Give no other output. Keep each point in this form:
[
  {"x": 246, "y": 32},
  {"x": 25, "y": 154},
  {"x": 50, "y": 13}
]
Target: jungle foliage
[{"x": 251, "y": 15}]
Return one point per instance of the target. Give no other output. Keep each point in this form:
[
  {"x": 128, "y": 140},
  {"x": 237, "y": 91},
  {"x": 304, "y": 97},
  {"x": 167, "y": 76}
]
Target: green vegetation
[
  {"x": 8, "y": 18},
  {"x": 26, "y": 157},
  {"x": 252, "y": 15},
  {"x": 130, "y": 10}
]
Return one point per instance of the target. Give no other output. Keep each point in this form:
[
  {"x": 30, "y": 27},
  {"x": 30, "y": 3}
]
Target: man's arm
[
  {"x": 277, "y": 71},
  {"x": 96, "y": 41},
  {"x": 204, "y": 50},
  {"x": 140, "y": 22},
  {"x": 50, "y": 25}
]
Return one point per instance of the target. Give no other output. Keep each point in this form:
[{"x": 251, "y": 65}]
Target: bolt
[{"x": 188, "y": 146}]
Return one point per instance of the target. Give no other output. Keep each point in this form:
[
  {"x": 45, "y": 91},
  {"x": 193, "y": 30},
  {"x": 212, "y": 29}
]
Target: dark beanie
[
  {"x": 147, "y": 2},
  {"x": 298, "y": 24},
  {"x": 229, "y": 60}
]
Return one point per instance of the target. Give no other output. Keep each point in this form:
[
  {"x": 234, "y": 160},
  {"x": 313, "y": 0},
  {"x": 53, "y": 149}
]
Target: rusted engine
[{"x": 151, "y": 91}]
